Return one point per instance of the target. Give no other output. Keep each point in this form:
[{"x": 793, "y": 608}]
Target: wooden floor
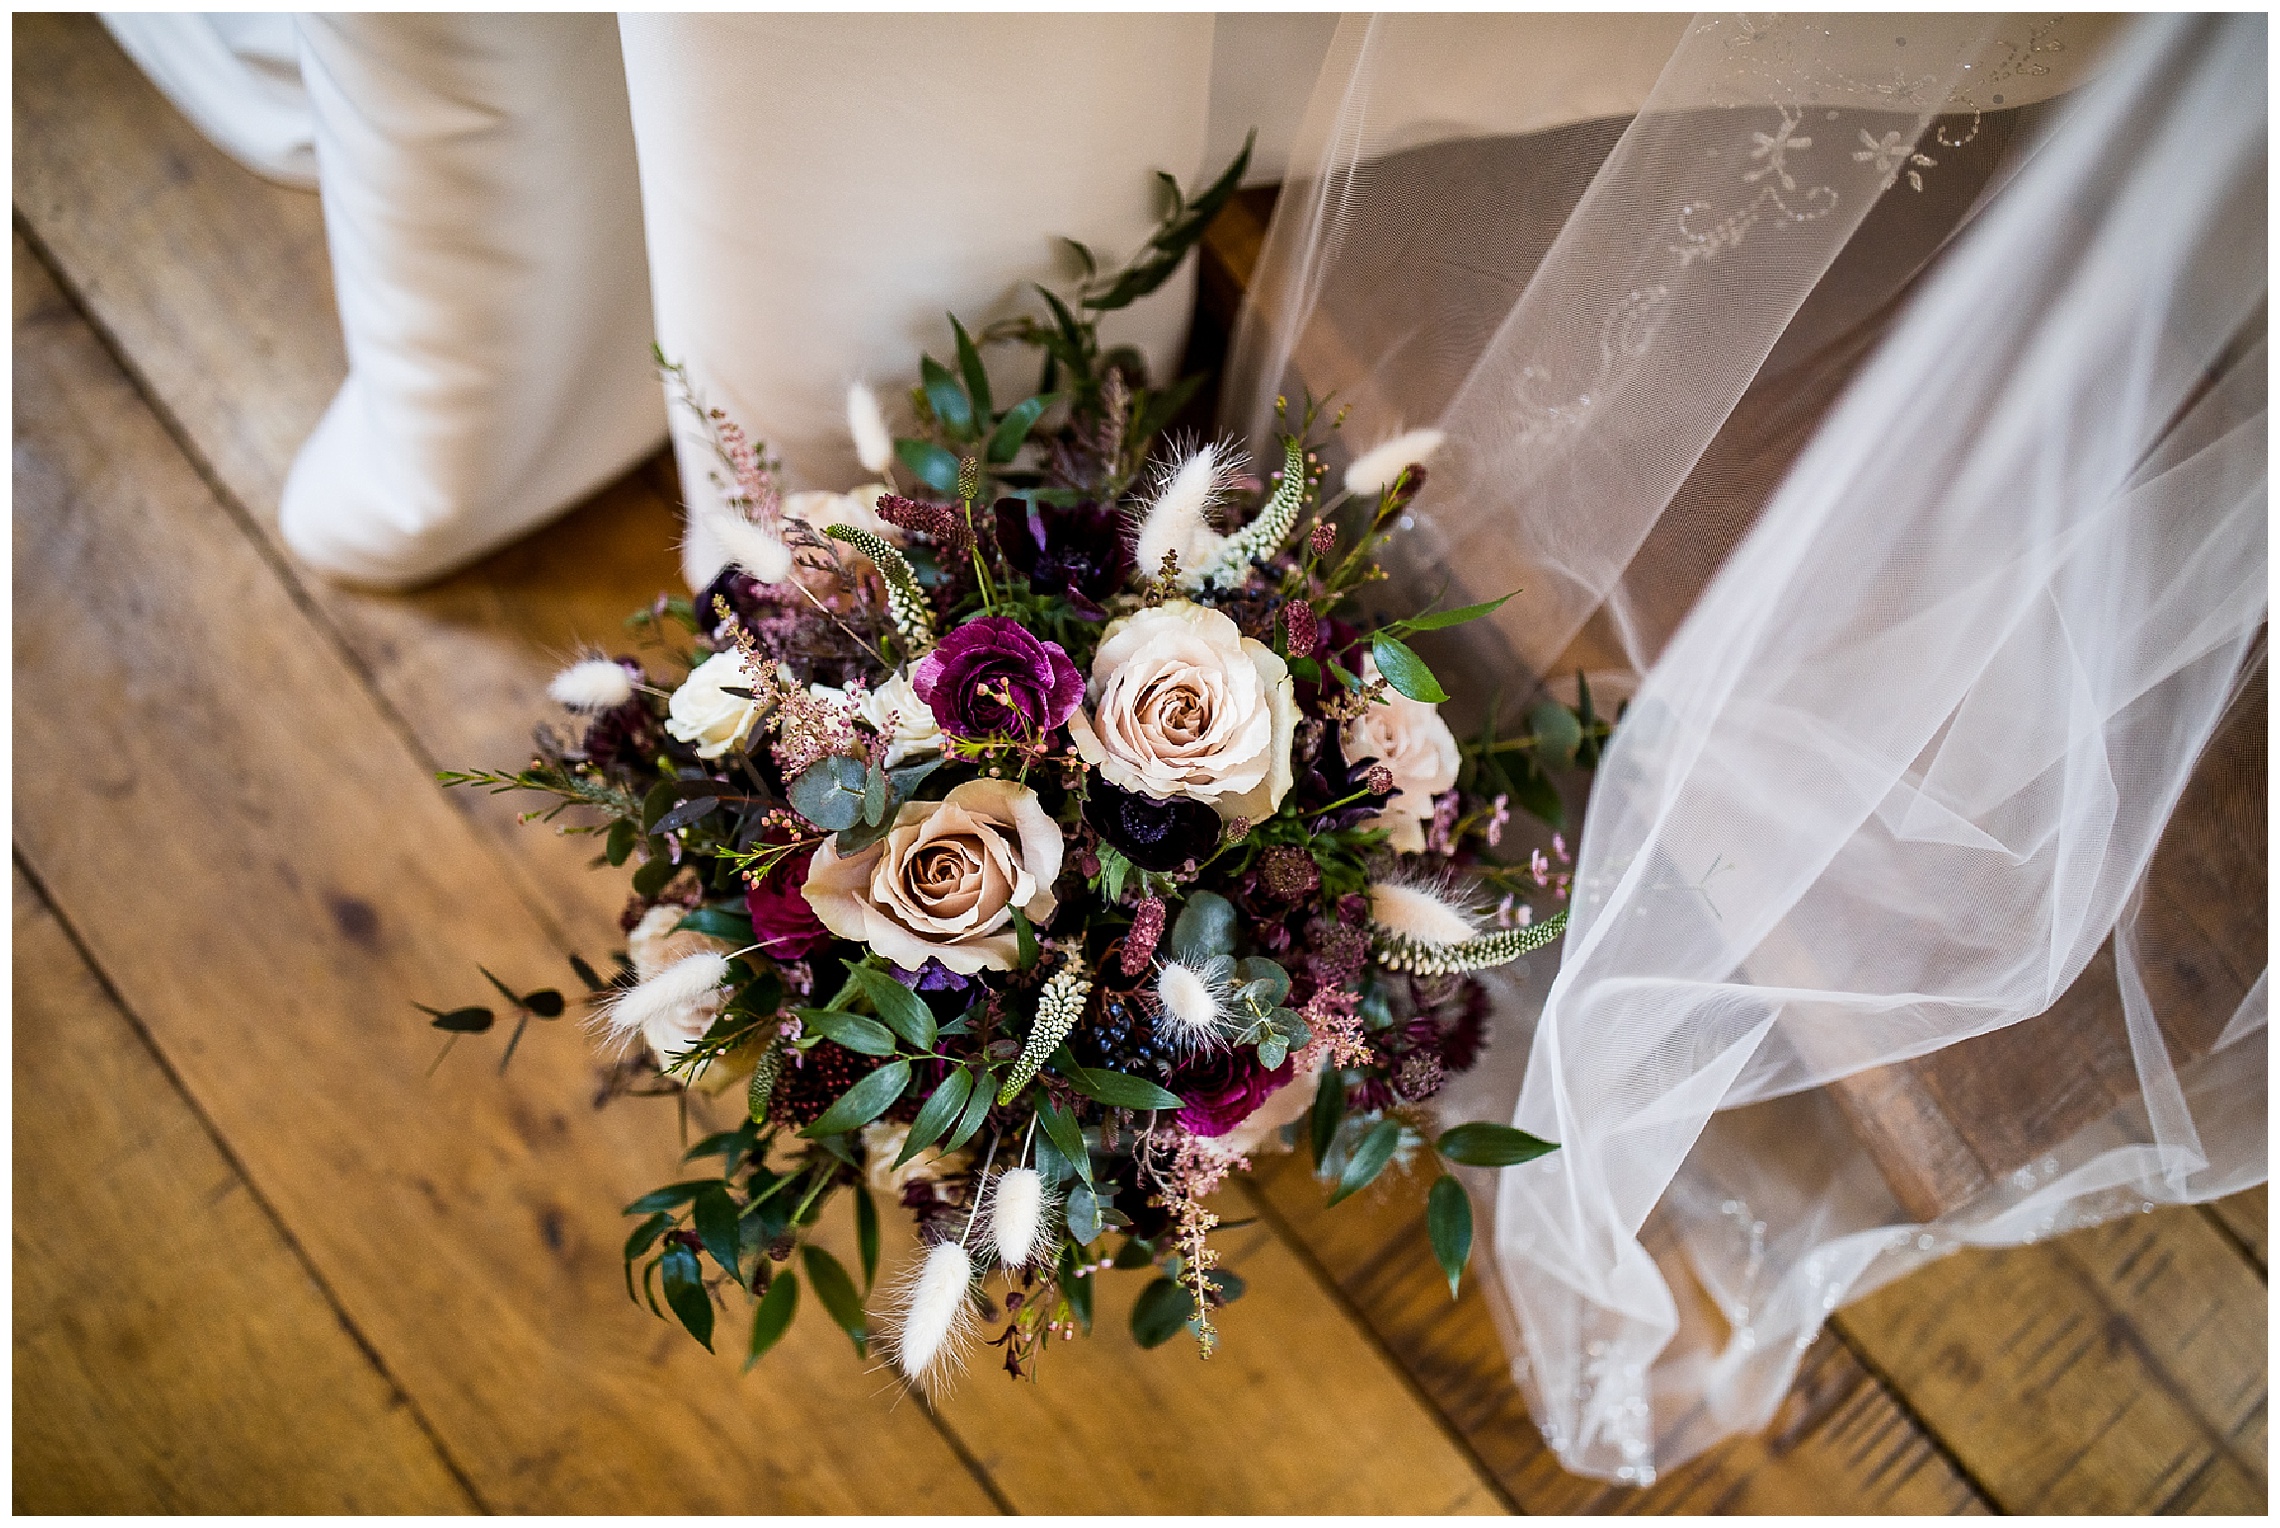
[{"x": 264, "y": 1262}]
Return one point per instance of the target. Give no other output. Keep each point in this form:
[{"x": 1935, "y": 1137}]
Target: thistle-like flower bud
[
  {"x": 1140, "y": 943},
  {"x": 1380, "y": 780},
  {"x": 1323, "y": 538},
  {"x": 1301, "y": 628}
]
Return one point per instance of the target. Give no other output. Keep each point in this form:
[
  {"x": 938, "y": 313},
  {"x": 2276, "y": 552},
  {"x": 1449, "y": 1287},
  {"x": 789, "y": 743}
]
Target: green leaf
[
  {"x": 1114, "y": 867},
  {"x": 1179, "y": 234},
  {"x": 1014, "y": 428},
  {"x": 618, "y": 848},
  {"x": 1078, "y": 1289},
  {"x": 1082, "y": 1216},
  {"x": 970, "y": 367},
  {"x": 1449, "y": 1223},
  {"x": 1328, "y": 1112},
  {"x": 899, "y": 1008},
  {"x": 1405, "y": 671},
  {"x": 1025, "y": 947},
  {"x": 935, "y": 467},
  {"x": 471, "y": 1020},
  {"x": 871, "y": 1097},
  {"x": 942, "y": 1109},
  {"x": 875, "y": 796},
  {"x": 1369, "y": 1159},
  {"x": 671, "y": 1196},
  {"x": 852, "y": 1030},
  {"x": 719, "y": 1144},
  {"x": 657, "y": 803},
  {"x": 1305, "y": 669},
  {"x": 1482, "y": 1144},
  {"x": 688, "y": 812},
  {"x": 714, "y": 1219},
  {"x": 1267, "y": 983},
  {"x": 1534, "y": 793},
  {"x": 1133, "y": 1254},
  {"x": 685, "y": 1292},
  {"x": 645, "y": 1236},
  {"x": 1119, "y": 1090},
  {"x": 773, "y": 1316},
  {"x": 1556, "y": 731},
  {"x": 1163, "y": 1308},
  {"x": 655, "y": 871},
  {"x": 867, "y": 1234},
  {"x": 1437, "y": 620},
  {"x": 830, "y": 794},
  {"x": 1061, "y": 1129},
  {"x": 732, "y": 923},
  {"x": 1272, "y": 1050},
  {"x": 977, "y": 1110},
  {"x": 837, "y": 1292},
  {"x": 946, "y": 398},
  {"x": 904, "y": 782},
  {"x": 1204, "y": 928}
]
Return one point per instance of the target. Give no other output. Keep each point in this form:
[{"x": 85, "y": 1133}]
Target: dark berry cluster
[{"x": 1124, "y": 1038}]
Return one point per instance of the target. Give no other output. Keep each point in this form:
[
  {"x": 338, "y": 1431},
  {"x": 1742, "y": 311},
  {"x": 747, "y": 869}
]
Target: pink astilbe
[
  {"x": 1334, "y": 1032},
  {"x": 755, "y": 483},
  {"x": 1187, "y": 1170}
]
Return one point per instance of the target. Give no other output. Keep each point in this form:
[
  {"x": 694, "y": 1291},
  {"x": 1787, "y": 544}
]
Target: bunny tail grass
[
  {"x": 1017, "y": 1216},
  {"x": 592, "y": 684},
  {"x": 933, "y": 1318}
]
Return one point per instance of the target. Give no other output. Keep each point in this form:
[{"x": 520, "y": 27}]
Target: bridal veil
[{"x": 1881, "y": 409}]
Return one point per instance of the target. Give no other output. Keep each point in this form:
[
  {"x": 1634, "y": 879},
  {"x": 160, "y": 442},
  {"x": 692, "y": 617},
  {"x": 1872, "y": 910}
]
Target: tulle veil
[{"x": 1877, "y": 407}]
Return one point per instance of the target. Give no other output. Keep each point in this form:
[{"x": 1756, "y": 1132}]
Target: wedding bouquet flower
[{"x": 1030, "y": 837}]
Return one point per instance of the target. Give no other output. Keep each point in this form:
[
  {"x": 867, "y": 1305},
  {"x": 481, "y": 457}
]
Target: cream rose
[
  {"x": 1183, "y": 704},
  {"x": 945, "y": 880},
  {"x": 654, "y": 946},
  {"x": 914, "y": 731},
  {"x": 1409, "y": 738},
  {"x": 702, "y": 712},
  {"x": 883, "y": 1142},
  {"x": 859, "y": 509}
]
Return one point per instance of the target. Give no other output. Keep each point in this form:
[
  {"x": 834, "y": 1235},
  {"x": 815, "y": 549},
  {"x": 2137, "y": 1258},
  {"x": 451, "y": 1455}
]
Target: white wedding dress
[{"x": 1877, "y": 405}]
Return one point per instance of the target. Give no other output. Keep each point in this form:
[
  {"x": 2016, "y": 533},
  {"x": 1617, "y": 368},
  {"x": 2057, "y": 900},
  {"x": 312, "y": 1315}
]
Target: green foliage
[
  {"x": 685, "y": 1292},
  {"x": 865, "y": 1037},
  {"x": 1449, "y": 1225},
  {"x": 871, "y": 1096},
  {"x": 1204, "y": 929},
  {"x": 1119, "y": 1090},
  {"x": 772, "y": 1317},
  {"x": 1482, "y": 1144},
  {"x": 1405, "y": 671},
  {"x": 837, "y": 1292},
  {"x": 899, "y": 1008},
  {"x": 943, "y": 1109},
  {"x": 1163, "y": 1308},
  {"x": 1371, "y": 1153},
  {"x": 1328, "y": 1113},
  {"x": 867, "y": 1234}
]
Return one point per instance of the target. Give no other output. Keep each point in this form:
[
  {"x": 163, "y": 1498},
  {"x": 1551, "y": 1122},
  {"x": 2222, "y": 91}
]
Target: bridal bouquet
[{"x": 1029, "y": 838}]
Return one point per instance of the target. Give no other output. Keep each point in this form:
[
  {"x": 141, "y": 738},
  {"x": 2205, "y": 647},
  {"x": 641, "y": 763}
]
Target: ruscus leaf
[
  {"x": 1405, "y": 671},
  {"x": 837, "y": 1292},
  {"x": 773, "y": 1316},
  {"x": 1448, "y": 1223},
  {"x": 871, "y": 1097},
  {"x": 1482, "y": 1144},
  {"x": 1162, "y": 1309},
  {"x": 1370, "y": 1156},
  {"x": 685, "y": 1292},
  {"x": 899, "y": 1008}
]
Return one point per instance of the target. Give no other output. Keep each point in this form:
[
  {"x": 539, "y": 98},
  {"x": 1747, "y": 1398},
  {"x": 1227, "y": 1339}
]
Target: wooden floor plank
[
  {"x": 263, "y": 871},
  {"x": 466, "y": 663},
  {"x": 2248, "y": 1217},
  {"x": 1840, "y": 1443},
  {"x": 158, "y": 1307},
  {"x": 2119, "y": 1369}
]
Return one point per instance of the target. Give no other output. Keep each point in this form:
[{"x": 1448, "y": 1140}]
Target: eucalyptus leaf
[
  {"x": 618, "y": 848},
  {"x": 1082, "y": 1216},
  {"x": 650, "y": 879},
  {"x": 1557, "y": 732},
  {"x": 1204, "y": 928},
  {"x": 830, "y": 794},
  {"x": 1272, "y": 1050},
  {"x": 904, "y": 782},
  {"x": 1267, "y": 983}
]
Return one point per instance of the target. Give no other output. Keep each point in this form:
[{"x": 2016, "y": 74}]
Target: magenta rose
[
  {"x": 993, "y": 678},
  {"x": 1222, "y": 1088},
  {"x": 783, "y": 924}
]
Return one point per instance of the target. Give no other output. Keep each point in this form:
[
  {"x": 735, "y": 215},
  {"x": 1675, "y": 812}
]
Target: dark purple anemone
[
  {"x": 1077, "y": 551},
  {"x": 993, "y": 677},
  {"x": 1155, "y": 835}
]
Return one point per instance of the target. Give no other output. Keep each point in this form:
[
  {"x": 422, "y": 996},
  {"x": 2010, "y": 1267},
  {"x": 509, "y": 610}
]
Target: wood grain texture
[
  {"x": 2118, "y": 1369},
  {"x": 159, "y": 1311},
  {"x": 465, "y": 664},
  {"x": 274, "y": 881},
  {"x": 1840, "y": 1443},
  {"x": 2248, "y": 1217}
]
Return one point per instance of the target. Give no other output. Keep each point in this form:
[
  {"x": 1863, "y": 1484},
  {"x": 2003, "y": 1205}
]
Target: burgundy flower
[
  {"x": 1220, "y": 1089},
  {"x": 993, "y": 678},
  {"x": 783, "y": 924},
  {"x": 1078, "y": 551},
  {"x": 1155, "y": 835}
]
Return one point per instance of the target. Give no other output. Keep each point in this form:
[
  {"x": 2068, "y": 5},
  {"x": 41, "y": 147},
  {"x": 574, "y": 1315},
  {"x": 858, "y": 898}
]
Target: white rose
[
  {"x": 1183, "y": 704},
  {"x": 945, "y": 880},
  {"x": 912, "y": 731},
  {"x": 1409, "y": 738},
  {"x": 701, "y": 712}
]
